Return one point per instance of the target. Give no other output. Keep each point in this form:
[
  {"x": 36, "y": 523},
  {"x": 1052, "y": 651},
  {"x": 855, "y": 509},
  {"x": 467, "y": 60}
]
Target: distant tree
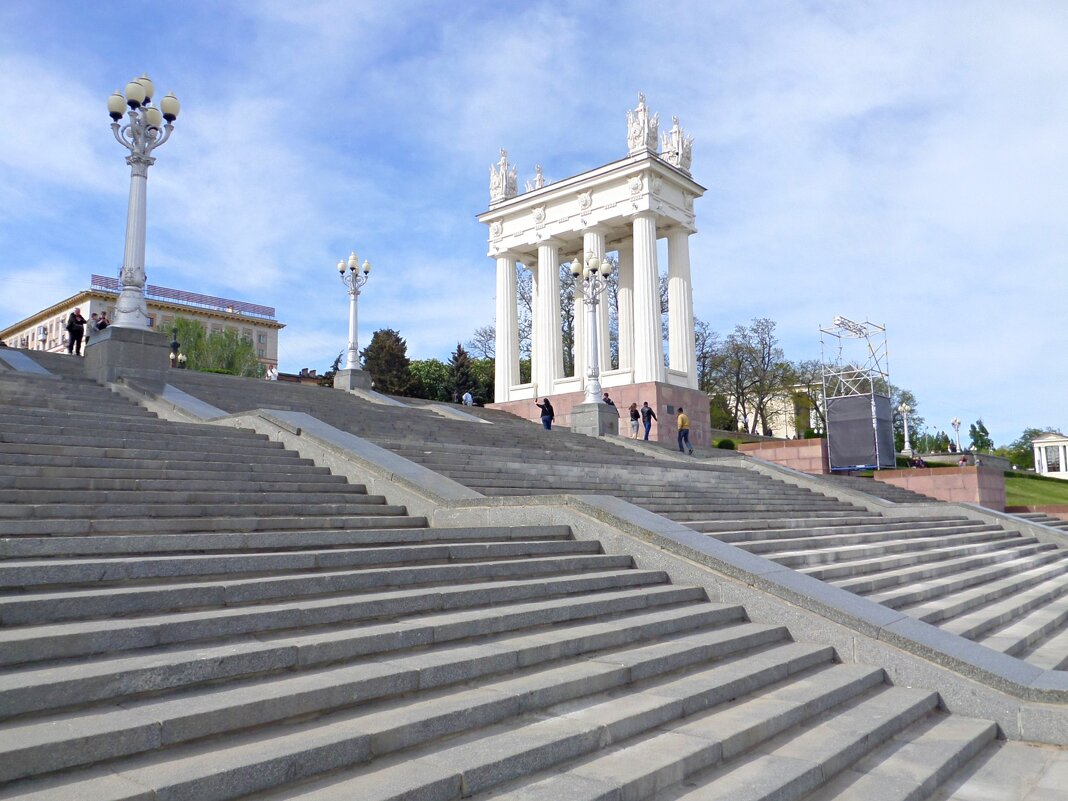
[
  {"x": 430, "y": 379},
  {"x": 218, "y": 352},
  {"x": 1020, "y": 452},
  {"x": 808, "y": 394},
  {"x": 980, "y": 437},
  {"x": 483, "y": 370},
  {"x": 327, "y": 378},
  {"x": 483, "y": 345},
  {"x": 461, "y": 373},
  {"x": 386, "y": 359}
]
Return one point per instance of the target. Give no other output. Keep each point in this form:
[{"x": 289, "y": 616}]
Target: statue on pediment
[
  {"x": 503, "y": 179},
  {"x": 642, "y": 129},
  {"x": 678, "y": 147},
  {"x": 539, "y": 179}
]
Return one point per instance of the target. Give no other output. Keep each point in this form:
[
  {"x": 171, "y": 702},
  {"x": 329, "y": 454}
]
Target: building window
[
  {"x": 261, "y": 338},
  {"x": 1053, "y": 459},
  {"x": 260, "y": 352}
]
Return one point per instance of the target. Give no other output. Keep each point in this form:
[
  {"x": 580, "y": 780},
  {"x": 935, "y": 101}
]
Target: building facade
[
  {"x": 46, "y": 330},
  {"x": 1051, "y": 455}
]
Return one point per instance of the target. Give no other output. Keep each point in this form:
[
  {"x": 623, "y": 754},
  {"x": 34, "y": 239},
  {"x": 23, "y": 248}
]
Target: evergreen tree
[
  {"x": 461, "y": 372},
  {"x": 386, "y": 359},
  {"x": 980, "y": 437}
]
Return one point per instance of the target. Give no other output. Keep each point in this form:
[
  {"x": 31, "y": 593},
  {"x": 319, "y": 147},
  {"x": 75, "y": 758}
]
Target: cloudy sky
[{"x": 904, "y": 163}]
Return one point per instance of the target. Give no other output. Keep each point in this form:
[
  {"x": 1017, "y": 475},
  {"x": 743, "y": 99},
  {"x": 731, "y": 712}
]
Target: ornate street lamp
[
  {"x": 353, "y": 280},
  {"x": 955, "y": 422},
  {"x": 904, "y": 410},
  {"x": 594, "y": 274},
  {"x": 147, "y": 127}
]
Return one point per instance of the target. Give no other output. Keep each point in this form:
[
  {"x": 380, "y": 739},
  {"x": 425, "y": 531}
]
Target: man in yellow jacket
[{"x": 684, "y": 431}]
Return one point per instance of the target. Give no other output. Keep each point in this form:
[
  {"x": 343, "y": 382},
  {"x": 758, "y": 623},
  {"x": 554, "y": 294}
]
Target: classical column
[
  {"x": 550, "y": 361},
  {"x": 579, "y": 330},
  {"x": 593, "y": 242},
  {"x": 506, "y": 367},
  {"x": 648, "y": 341},
  {"x": 682, "y": 355},
  {"x": 626, "y": 305}
]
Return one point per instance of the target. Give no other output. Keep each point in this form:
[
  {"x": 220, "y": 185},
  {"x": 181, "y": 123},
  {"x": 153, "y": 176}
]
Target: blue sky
[{"x": 903, "y": 162}]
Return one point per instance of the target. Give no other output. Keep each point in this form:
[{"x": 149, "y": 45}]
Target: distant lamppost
[
  {"x": 955, "y": 422},
  {"x": 353, "y": 280},
  {"x": 904, "y": 409},
  {"x": 594, "y": 274},
  {"x": 146, "y": 128}
]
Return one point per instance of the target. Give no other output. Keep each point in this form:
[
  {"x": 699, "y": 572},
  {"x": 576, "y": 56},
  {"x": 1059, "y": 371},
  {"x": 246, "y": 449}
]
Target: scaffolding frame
[{"x": 861, "y": 367}]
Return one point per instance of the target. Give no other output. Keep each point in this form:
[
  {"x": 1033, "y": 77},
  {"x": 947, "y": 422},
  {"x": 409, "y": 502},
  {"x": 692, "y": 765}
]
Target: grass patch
[{"x": 1027, "y": 489}]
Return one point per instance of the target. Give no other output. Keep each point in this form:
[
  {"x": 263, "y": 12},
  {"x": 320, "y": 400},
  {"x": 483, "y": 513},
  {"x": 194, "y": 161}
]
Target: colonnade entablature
[{"x": 623, "y": 207}]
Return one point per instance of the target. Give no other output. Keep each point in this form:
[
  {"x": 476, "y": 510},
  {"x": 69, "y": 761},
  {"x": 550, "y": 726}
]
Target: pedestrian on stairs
[
  {"x": 547, "y": 413},
  {"x": 635, "y": 415},
  {"x": 684, "y": 431},
  {"x": 75, "y": 332},
  {"x": 648, "y": 415}
]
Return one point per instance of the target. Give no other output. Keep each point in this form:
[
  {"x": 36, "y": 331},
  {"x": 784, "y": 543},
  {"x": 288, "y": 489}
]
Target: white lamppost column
[
  {"x": 593, "y": 245},
  {"x": 146, "y": 128},
  {"x": 904, "y": 409},
  {"x": 648, "y": 340},
  {"x": 955, "y": 422},
  {"x": 506, "y": 363},
  {"x": 626, "y": 306},
  {"x": 682, "y": 350},
  {"x": 352, "y": 377},
  {"x": 594, "y": 274}
]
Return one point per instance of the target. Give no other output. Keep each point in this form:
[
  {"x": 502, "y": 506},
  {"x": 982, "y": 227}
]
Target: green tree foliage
[
  {"x": 1020, "y": 452},
  {"x": 483, "y": 370},
  {"x": 980, "y": 437},
  {"x": 327, "y": 378},
  {"x": 386, "y": 359},
  {"x": 218, "y": 352},
  {"x": 430, "y": 379},
  {"x": 461, "y": 373}
]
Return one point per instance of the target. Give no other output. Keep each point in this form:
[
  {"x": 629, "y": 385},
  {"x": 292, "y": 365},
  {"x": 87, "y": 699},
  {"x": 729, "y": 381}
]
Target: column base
[
  {"x": 595, "y": 419},
  {"x": 352, "y": 379},
  {"x": 116, "y": 350}
]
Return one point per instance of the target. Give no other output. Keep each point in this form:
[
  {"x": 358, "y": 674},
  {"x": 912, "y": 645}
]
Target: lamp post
[
  {"x": 353, "y": 280},
  {"x": 904, "y": 409},
  {"x": 955, "y": 422},
  {"x": 594, "y": 274},
  {"x": 147, "y": 127}
]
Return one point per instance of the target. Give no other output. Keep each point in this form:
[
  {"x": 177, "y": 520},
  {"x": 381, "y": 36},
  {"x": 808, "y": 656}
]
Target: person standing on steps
[
  {"x": 648, "y": 415},
  {"x": 547, "y": 413},
  {"x": 467, "y": 399},
  {"x": 684, "y": 431},
  {"x": 75, "y": 332},
  {"x": 635, "y": 415}
]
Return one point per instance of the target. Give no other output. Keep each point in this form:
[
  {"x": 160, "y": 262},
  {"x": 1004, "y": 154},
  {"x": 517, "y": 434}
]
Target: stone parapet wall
[
  {"x": 806, "y": 455},
  {"x": 664, "y": 398},
  {"x": 981, "y": 485}
]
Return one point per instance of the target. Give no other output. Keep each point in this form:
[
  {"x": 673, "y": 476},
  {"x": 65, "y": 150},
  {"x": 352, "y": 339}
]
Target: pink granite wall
[
  {"x": 806, "y": 455},
  {"x": 982, "y": 485}
]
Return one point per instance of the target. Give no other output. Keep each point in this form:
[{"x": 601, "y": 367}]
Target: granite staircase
[
  {"x": 989, "y": 583},
  {"x": 192, "y": 612}
]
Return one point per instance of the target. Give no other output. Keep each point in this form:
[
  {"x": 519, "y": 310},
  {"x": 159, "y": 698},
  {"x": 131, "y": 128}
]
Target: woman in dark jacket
[
  {"x": 75, "y": 331},
  {"x": 547, "y": 413}
]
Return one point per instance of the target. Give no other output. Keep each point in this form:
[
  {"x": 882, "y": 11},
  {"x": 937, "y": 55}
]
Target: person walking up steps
[
  {"x": 648, "y": 415},
  {"x": 547, "y": 414},
  {"x": 684, "y": 432},
  {"x": 635, "y": 416}
]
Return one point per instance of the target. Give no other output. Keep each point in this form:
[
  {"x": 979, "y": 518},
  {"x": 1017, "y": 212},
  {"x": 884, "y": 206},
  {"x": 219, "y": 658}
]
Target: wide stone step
[
  {"x": 172, "y": 543},
  {"x": 207, "y": 524},
  {"x": 367, "y": 505},
  {"x": 194, "y": 713},
  {"x": 47, "y": 606},
  {"x": 1017, "y": 622},
  {"x": 893, "y": 568},
  {"x": 637, "y": 760},
  {"x": 178, "y": 495},
  {"x": 56, "y": 684},
  {"x": 834, "y": 538},
  {"x": 73, "y": 572},
  {"x": 89, "y": 456},
  {"x": 735, "y": 530},
  {"x": 499, "y": 700},
  {"x": 51, "y": 465},
  {"x": 133, "y": 481},
  {"x": 26, "y": 644},
  {"x": 1051, "y": 653}
]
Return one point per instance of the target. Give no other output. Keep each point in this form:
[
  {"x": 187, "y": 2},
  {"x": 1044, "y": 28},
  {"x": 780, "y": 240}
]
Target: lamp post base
[
  {"x": 352, "y": 379},
  {"x": 595, "y": 419},
  {"x": 115, "y": 350}
]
